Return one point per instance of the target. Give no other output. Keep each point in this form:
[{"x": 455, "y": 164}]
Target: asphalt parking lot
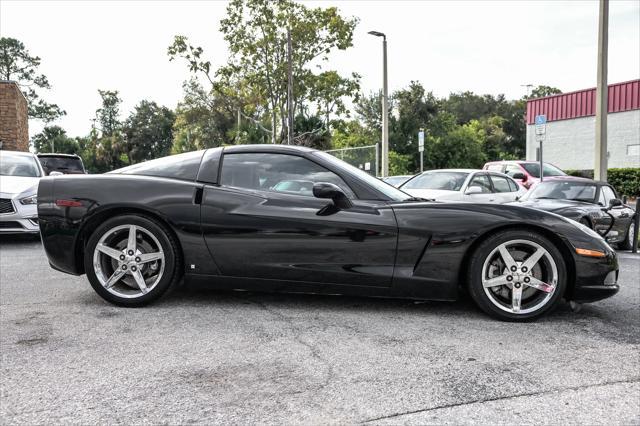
[{"x": 202, "y": 356}]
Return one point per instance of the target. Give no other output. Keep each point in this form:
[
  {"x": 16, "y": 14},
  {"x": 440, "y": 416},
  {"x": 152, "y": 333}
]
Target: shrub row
[{"x": 626, "y": 181}]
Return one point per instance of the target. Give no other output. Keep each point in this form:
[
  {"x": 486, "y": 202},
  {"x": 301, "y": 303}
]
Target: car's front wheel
[
  {"x": 517, "y": 275},
  {"x": 131, "y": 260}
]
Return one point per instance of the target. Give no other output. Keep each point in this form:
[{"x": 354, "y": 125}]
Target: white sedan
[
  {"x": 467, "y": 185},
  {"x": 20, "y": 173}
]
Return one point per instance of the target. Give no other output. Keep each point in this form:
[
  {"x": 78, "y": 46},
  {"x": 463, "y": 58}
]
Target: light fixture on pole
[{"x": 385, "y": 106}]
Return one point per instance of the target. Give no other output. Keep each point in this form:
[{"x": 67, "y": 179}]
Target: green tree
[
  {"x": 148, "y": 132},
  {"x": 16, "y": 64},
  {"x": 108, "y": 114},
  {"x": 55, "y": 139},
  {"x": 351, "y": 134},
  {"x": 542, "y": 91}
]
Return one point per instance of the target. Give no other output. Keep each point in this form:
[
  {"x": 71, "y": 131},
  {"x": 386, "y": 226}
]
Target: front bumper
[
  {"x": 23, "y": 219},
  {"x": 596, "y": 279}
]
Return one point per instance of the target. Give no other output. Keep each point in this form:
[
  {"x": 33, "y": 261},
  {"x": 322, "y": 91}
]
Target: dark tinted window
[
  {"x": 482, "y": 181},
  {"x": 549, "y": 170},
  {"x": 288, "y": 174},
  {"x": 501, "y": 184},
  {"x": 181, "y": 166},
  {"x": 571, "y": 190},
  {"x": 61, "y": 164}
]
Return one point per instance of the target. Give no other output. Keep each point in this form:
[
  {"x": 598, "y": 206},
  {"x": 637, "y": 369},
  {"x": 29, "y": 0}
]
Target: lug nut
[
  {"x": 130, "y": 252},
  {"x": 527, "y": 279},
  {"x": 138, "y": 259},
  {"x": 124, "y": 267},
  {"x": 517, "y": 285},
  {"x": 122, "y": 257},
  {"x": 513, "y": 268},
  {"x": 133, "y": 268},
  {"x": 524, "y": 269},
  {"x": 509, "y": 278}
]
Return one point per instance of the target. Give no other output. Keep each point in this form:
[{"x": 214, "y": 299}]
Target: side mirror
[
  {"x": 329, "y": 190},
  {"x": 519, "y": 175},
  {"x": 473, "y": 190},
  {"x": 55, "y": 173},
  {"x": 615, "y": 203}
]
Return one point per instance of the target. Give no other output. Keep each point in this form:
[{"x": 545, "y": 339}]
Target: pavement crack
[{"x": 501, "y": 398}]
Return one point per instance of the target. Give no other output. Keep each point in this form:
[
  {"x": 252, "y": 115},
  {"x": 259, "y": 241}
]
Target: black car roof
[{"x": 267, "y": 148}]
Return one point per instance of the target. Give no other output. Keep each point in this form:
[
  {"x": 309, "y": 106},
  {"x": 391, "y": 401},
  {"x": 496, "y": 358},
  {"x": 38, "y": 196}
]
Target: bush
[{"x": 626, "y": 181}]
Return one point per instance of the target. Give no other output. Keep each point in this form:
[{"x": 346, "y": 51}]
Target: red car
[{"x": 525, "y": 173}]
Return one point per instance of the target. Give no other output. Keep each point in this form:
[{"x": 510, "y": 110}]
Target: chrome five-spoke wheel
[
  {"x": 131, "y": 260},
  {"x": 517, "y": 275}
]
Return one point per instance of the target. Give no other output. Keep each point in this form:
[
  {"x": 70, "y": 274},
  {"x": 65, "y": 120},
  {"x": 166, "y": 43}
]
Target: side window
[
  {"x": 482, "y": 181},
  {"x": 512, "y": 169},
  {"x": 495, "y": 167},
  {"x": 608, "y": 194},
  {"x": 288, "y": 174},
  {"x": 513, "y": 185},
  {"x": 500, "y": 183}
]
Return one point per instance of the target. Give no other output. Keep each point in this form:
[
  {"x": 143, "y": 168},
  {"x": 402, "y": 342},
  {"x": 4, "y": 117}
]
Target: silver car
[{"x": 20, "y": 173}]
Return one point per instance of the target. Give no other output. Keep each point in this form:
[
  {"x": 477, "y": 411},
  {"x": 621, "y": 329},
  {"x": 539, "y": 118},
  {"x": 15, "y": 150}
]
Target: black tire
[
  {"x": 172, "y": 267},
  {"x": 484, "y": 250},
  {"x": 626, "y": 244}
]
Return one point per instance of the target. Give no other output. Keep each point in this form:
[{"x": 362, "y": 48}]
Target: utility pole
[
  {"x": 289, "y": 91},
  {"x": 385, "y": 106},
  {"x": 602, "y": 94},
  {"x": 528, "y": 86}
]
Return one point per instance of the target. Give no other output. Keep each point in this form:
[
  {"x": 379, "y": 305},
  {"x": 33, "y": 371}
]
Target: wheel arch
[
  {"x": 564, "y": 248},
  {"x": 90, "y": 225}
]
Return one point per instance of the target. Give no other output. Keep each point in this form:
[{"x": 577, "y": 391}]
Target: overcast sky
[{"x": 482, "y": 46}]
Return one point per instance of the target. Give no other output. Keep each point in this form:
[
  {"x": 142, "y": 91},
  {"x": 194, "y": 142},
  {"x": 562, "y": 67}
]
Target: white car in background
[
  {"x": 467, "y": 185},
  {"x": 20, "y": 173}
]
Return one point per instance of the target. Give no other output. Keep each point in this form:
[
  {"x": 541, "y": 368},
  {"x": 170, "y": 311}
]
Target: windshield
[
  {"x": 577, "y": 191},
  {"x": 18, "y": 165},
  {"x": 62, "y": 164},
  {"x": 534, "y": 169},
  {"x": 390, "y": 191},
  {"x": 396, "y": 180},
  {"x": 446, "y": 181}
]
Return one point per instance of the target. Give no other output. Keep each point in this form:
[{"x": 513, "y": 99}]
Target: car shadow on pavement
[{"x": 19, "y": 239}]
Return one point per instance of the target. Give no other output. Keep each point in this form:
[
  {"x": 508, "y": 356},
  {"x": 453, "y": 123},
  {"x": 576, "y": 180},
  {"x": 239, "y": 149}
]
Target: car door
[
  {"x": 482, "y": 181},
  {"x": 622, "y": 214},
  {"x": 504, "y": 188},
  {"x": 262, "y": 221}
]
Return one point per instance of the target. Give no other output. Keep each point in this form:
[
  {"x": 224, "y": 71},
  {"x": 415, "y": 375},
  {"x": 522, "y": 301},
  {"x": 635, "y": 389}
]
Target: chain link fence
[{"x": 362, "y": 157}]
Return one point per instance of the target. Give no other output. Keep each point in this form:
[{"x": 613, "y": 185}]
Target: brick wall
[
  {"x": 14, "y": 127},
  {"x": 570, "y": 144}
]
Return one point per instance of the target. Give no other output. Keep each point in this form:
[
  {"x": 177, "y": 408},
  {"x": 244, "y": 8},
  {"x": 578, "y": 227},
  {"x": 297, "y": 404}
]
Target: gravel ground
[{"x": 202, "y": 356}]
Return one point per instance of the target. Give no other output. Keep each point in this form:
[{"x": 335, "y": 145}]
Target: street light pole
[
  {"x": 385, "y": 106},
  {"x": 601, "y": 151}
]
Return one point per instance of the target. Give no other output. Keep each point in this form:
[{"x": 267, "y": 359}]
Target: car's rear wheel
[
  {"x": 627, "y": 243},
  {"x": 131, "y": 260},
  {"x": 517, "y": 275}
]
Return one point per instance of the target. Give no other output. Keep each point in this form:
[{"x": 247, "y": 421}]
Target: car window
[
  {"x": 608, "y": 194},
  {"x": 446, "y": 181},
  {"x": 513, "y": 185},
  {"x": 495, "y": 167},
  {"x": 482, "y": 181},
  {"x": 61, "y": 164},
  {"x": 512, "y": 169},
  {"x": 288, "y": 174},
  {"x": 180, "y": 166},
  {"x": 534, "y": 170},
  {"x": 18, "y": 165},
  {"x": 563, "y": 190},
  {"x": 501, "y": 184}
]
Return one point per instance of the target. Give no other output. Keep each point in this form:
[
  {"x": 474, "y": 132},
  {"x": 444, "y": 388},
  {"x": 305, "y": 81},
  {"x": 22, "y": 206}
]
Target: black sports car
[
  {"x": 592, "y": 203},
  {"x": 224, "y": 216}
]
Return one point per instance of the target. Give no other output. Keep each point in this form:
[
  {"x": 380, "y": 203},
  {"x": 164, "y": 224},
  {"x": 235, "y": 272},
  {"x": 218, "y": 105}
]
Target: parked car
[
  {"x": 63, "y": 163},
  {"x": 525, "y": 173},
  {"x": 217, "y": 217},
  {"x": 20, "y": 173},
  {"x": 397, "y": 181},
  {"x": 594, "y": 204},
  {"x": 474, "y": 186}
]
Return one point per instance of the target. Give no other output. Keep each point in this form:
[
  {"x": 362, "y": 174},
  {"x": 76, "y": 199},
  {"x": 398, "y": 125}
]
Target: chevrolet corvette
[{"x": 291, "y": 219}]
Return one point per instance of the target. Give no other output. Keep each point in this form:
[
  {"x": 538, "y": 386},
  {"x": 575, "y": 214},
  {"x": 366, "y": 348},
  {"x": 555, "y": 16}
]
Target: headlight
[{"x": 33, "y": 199}]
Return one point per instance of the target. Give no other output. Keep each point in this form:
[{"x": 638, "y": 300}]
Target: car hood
[
  {"x": 18, "y": 184},
  {"x": 435, "y": 194},
  {"x": 553, "y": 205}
]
